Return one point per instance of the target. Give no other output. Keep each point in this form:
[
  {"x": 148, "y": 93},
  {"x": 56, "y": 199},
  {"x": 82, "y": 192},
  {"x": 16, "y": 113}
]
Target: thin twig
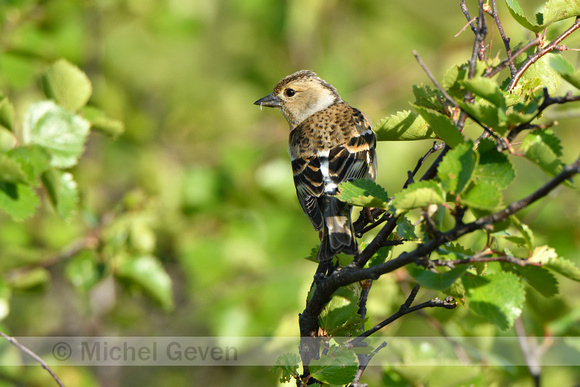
[
  {"x": 361, "y": 226},
  {"x": 449, "y": 98},
  {"x": 509, "y": 62},
  {"x": 406, "y": 308},
  {"x": 530, "y": 349},
  {"x": 465, "y": 26},
  {"x": 474, "y": 259},
  {"x": 543, "y": 51},
  {"x": 432, "y": 171},
  {"x": 27, "y": 351},
  {"x": 436, "y": 147},
  {"x": 434, "y": 303},
  {"x": 362, "y": 302},
  {"x": 478, "y": 43},
  {"x": 548, "y": 101},
  {"x": 432, "y": 78},
  {"x": 377, "y": 242},
  {"x": 468, "y": 16},
  {"x": 364, "y": 361},
  {"x": 506, "y": 40}
]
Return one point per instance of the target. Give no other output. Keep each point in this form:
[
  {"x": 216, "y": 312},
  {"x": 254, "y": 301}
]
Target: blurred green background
[{"x": 213, "y": 173}]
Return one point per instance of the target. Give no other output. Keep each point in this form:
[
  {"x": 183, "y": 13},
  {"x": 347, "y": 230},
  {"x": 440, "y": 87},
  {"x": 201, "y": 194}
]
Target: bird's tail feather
[{"x": 338, "y": 234}]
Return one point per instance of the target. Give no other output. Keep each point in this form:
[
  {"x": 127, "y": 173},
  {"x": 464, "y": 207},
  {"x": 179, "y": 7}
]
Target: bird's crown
[{"x": 303, "y": 76}]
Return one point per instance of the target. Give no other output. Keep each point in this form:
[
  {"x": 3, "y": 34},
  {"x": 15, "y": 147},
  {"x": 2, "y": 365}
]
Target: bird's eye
[{"x": 289, "y": 92}]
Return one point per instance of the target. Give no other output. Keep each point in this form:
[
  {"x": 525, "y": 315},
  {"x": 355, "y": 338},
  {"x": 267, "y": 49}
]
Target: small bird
[{"x": 330, "y": 142}]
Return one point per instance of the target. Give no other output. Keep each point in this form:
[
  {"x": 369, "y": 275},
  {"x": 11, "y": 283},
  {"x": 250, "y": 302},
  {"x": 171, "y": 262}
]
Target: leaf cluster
[
  {"x": 465, "y": 194},
  {"x": 50, "y": 142},
  {"x": 37, "y": 158}
]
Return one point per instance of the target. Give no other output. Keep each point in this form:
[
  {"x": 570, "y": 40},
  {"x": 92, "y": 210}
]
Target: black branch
[{"x": 325, "y": 287}]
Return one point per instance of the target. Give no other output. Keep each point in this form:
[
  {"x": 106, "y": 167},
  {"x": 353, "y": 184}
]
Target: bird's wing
[
  {"x": 356, "y": 159},
  {"x": 309, "y": 187}
]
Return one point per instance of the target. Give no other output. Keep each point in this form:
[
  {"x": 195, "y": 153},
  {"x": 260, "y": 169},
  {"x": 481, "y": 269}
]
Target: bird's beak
[{"x": 270, "y": 101}]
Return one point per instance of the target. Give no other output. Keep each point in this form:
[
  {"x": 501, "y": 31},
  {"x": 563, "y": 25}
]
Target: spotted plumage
[{"x": 330, "y": 142}]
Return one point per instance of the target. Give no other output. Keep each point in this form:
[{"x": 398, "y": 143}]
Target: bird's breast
[{"x": 322, "y": 131}]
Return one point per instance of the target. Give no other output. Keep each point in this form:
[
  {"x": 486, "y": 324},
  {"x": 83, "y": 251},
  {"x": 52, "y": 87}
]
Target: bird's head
[{"x": 300, "y": 95}]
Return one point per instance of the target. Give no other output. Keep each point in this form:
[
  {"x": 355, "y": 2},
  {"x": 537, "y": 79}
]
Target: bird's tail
[{"x": 338, "y": 234}]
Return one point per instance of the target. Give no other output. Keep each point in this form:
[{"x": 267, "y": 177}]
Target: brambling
[{"x": 330, "y": 142}]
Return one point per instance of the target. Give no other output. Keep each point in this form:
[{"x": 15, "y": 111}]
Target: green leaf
[
  {"x": 428, "y": 97},
  {"x": 525, "y": 232},
  {"x": 62, "y": 191},
  {"x": 287, "y": 365},
  {"x": 147, "y": 273},
  {"x": 5, "y": 294},
  {"x": 497, "y": 297},
  {"x": 406, "y": 229},
  {"x": 561, "y": 65},
  {"x": 516, "y": 240},
  {"x": 549, "y": 259},
  {"x": 8, "y": 140},
  {"x": 564, "y": 319},
  {"x": 566, "y": 70},
  {"x": 540, "y": 279},
  {"x": 340, "y": 316},
  {"x": 33, "y": 159},
  {"x": 482, "y": 195},
  {"x": 339, "y": 366},
  {"x": 403, "y": 126},
  {"x": 99, "y": 121},
  {"x": 31, "y": 280},
  {"x": 540, "y": 71},
  {"x": 418, "y": 195},
  {"x": 456, "y": 168},
  {"x": 543, "y": 149},
  {"x": 18, "y": 200},
  {"x": 565, "y": 267},
  {"x": 494, "y": 166},
  {"x": 547, "y": 136},
  {"x": 455, "y": 251},
  {"x": 518, "y": 14},
  {"x": 11, "y": 171},
  {"x": 83, "y": 270},
  {"x": 313, "y": 256},
  {"x": 380, "y": 256},
  {"x": 524, "y": 112},
  {"x": 556, "y": 10},
  {"x": 66, "y": 84},
  {"x": 487, "y": 89},
  {"x": 452, "y": 80},
  {"x": 363, "y": 193},
  {"x": 59, "y": 131},
  {"x": 485, "y": 113},
  {"x": 6, "y": 113},
  {"x": 436, "y": 281},
  {"x": 442, "y": 125}
]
